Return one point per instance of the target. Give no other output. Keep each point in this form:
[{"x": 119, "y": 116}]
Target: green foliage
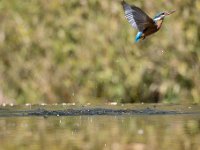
[{"x": 84, "y": 51}]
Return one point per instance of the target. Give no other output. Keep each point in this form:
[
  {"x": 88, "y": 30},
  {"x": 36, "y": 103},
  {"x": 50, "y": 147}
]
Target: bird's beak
[{"x": 171, "y": 12}]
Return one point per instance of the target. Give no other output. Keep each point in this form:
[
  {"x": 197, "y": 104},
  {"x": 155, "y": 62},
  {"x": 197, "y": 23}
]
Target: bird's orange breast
[
  {"x": 159, "y": 24},
  {"x": 150, "y": 30}
]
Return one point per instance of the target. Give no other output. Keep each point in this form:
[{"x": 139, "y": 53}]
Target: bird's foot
[{"x": 143, "y": 37}]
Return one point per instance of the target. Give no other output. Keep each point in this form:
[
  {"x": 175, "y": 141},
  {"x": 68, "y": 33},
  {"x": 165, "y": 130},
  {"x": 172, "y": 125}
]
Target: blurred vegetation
[{"x": 84, "y": 51}]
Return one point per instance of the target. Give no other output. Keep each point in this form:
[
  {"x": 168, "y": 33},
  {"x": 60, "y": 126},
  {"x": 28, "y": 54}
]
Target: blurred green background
[{"x": 82, "y": 51}]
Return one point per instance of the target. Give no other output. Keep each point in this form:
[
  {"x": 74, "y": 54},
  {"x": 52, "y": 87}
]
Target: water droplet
[
  {"x": 64, "y": 104},
  {"x": 11, "y": 104},
  {"x": 140, "y": 131},
  {"x": 43, "y": 104},
  {"x": 113, "y": 103},
  {"x": 27, "y": 104}
]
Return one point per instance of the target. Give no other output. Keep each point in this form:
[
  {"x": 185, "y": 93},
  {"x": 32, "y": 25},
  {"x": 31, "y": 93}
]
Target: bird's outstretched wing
[{"x": 136, "y": 17}]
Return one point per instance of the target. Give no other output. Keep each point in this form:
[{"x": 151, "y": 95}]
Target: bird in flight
[{"x": 142, "y": 22}]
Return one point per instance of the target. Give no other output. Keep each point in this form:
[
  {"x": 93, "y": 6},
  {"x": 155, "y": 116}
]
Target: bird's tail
[{"x": 138, "y": 36}]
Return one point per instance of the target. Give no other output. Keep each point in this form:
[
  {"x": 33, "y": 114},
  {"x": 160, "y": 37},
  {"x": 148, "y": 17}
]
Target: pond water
[{"x": 137, "y": 127}]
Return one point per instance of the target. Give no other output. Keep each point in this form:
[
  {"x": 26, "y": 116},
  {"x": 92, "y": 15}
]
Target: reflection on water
[{"x": 101, "y": 132}]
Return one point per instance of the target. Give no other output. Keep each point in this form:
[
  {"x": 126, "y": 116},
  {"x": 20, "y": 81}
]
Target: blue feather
[
  {"x": 138, "y": 36},
  {"x": 158, "y": 15}
]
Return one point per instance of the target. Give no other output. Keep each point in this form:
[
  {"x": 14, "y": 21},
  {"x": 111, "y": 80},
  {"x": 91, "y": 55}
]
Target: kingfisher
[{"x": 142, "y": 22}]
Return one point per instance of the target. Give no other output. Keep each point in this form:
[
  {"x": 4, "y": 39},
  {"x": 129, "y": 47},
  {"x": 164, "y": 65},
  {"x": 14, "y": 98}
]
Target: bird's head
[{"x": 162, "y": 15}]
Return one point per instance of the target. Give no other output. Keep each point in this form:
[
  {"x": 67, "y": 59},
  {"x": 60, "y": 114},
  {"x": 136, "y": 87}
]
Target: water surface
[{"x": 139, "y": 131}]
